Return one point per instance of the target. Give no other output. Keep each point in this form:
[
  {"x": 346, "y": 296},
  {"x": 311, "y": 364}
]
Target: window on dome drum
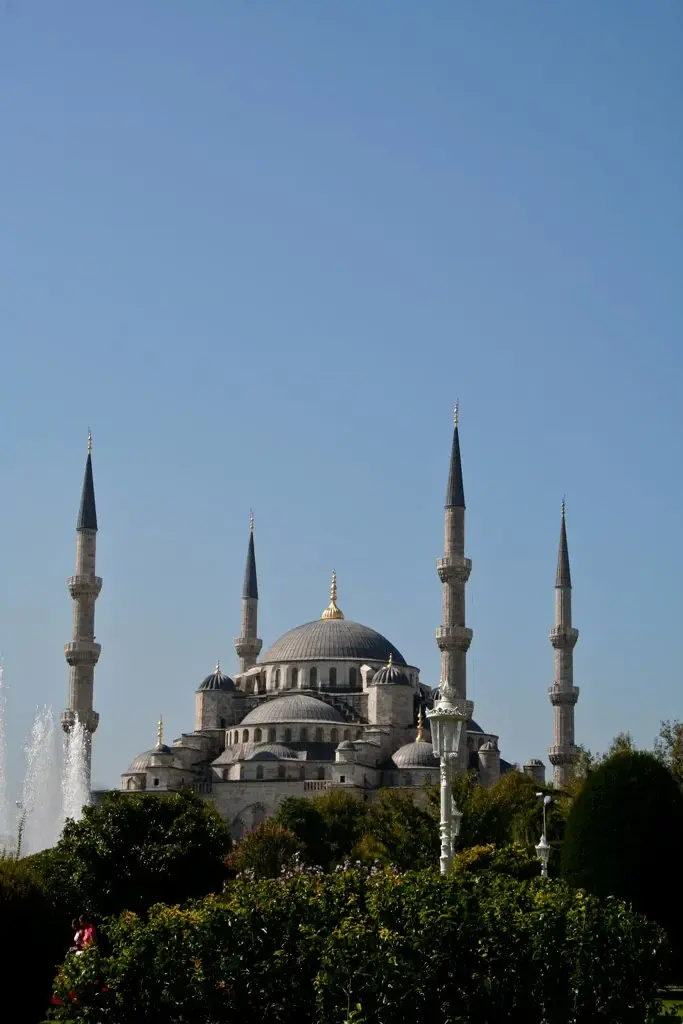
[
  {"x": 288, "y": 735},
  {"x": 223, "y": 723},
  {"x": 226, "y": 774},
  {"x": 302, "y": 772},
  {"x": 321, "y": 774},
  {"x": 408, "y": 779},
  {"x": 259, "y": 771},
  {"x": 271, "y": 735},
  {"x": 342, "y": 778},
  {"x": 313, "y": 677},
  {"x": 245, "y": 736},
  {"x": 277, "y": 678},
  {"x": 236, "y": 737},
  {"x": 156, "y": 782},
  {"x": 303, "y": 735},
  {"x": 353, "y": 677},
  {"x": 334, "y": 736},
  {"x": 319, "y": 735},
  {"x": 280, "y": 771},
  {"x": 294, "y": 676},
  {"x": 333, "y": 676},
  {"x": 261, "y": 686},
  {"x": 257, "y": 735},
  {"x": 347, "y": 734}
]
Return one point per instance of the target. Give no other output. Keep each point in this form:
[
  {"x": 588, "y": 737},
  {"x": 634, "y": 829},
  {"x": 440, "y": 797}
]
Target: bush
[
  {"x": 327, "y": 827},
  {"x": 265, "y": 851},
  {"x": 515, "y": 861},
  {"x": 328, "y": 949},
  {"x": 624, "y": 834}
]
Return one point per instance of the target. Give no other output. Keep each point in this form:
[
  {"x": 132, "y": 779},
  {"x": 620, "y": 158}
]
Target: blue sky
[{"x": 261, "y": 248}]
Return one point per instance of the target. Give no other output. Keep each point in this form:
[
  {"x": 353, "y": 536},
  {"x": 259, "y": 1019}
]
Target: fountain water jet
[
  {"x": 75, "y": 792},
  {"x": 40, "y": 809},
  {"x": 6, "y": 818}
]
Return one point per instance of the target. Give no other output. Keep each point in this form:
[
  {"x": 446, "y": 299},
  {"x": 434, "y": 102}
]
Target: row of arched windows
[
  {"x": 304, "y": 735},
  {"x": 293, "y": 678}
]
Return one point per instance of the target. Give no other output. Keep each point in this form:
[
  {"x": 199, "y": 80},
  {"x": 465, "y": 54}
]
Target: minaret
[
  {"x": 453, "y": 637},
  {"x": 82, "y": 653},
  {"x": 563, "y": 694},
  {"x": 248, "y": 645}
]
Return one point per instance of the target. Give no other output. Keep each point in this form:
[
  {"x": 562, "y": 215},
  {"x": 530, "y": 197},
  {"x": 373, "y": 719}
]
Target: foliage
[
  {"x": 514, "y": 860},
  {"x": 623, "y": 836},
  {"x": 329, "y": 949},
  {"x": 132, "y": 851},
  {"x": 327, "y": 827},
  {"x": 34, "y": 941},
  {"x": 400, "y": 833},
  {"x": 264, "y": 851},
  {"x": 668, "y": 748}
]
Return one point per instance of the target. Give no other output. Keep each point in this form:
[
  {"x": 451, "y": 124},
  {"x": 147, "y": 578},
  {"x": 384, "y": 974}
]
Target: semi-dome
[
  {"x": 390, "y": 675},
  {"x": 332, "y": 640},
  {"x": 272, "y": 752},
  {"x": 415, "y": 755},
  {"x": 161, "y": 755},
  {"x": 217, "y": 681},
  {"x": 292, "y": 707}
]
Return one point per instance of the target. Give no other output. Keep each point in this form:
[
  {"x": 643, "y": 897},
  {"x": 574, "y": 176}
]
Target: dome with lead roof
[
  {"x": 293, "y": 707},
  {"x": 415, "y": 755}
]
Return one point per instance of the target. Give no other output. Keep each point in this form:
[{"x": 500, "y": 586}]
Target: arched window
[
  {"x": 353, "y": 677},
  {"x": 223, "y": 723},
  {"x": 318, "y": 735},
  {"x": 302, "y": 772},
  {"x": 347, "y": 734},
  {"x": 257, "y": 735},
  {"x": 236, "y": 737},
  {"x": 261, "y": 685},
  {"x": 333, "y": 676},
  {"x": 334, "y": 736},
  {"x": 259, "y": 771},
  {"x": 321, "y": 773},
  {"x": 280, "y": 771},
  {"x": 303, "y": 735},
  {"x": 245, "y": 735},
  {"x": 288, "y": 735},
  {"x": 277, "y": 678},
  {"x": 313, "y": 678},
  {"x": 271, "y": 735},
  {"x": 294, "y": 676}
]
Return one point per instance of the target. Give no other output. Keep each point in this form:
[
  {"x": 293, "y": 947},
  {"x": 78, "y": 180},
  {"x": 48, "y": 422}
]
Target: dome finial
[
  {"x": 456, "y": 412},
  {"x": 332, "y": 611},
  {"x": 89, "y": 441},
  {"x": 420, "y": 727},
  {"x": 564, "y": 505},
  {"x": 218, "y": 668},
  {"x": 251, "y": 520},
  {"x": 390, "y": 663},
  {"x": 160, "y": 731}
]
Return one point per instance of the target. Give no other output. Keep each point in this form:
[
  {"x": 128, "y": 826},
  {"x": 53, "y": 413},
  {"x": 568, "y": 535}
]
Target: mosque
[{"x": 331, "y": 704}]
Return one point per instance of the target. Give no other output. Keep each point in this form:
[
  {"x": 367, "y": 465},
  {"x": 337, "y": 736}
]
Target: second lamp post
[{"x": 447, "y": 720}]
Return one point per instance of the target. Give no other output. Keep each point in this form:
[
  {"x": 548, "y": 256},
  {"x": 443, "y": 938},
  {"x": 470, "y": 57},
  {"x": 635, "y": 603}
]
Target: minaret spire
[
  {"x": 453, "y": 637},
  {"x": 563, "y": 694},
  {"x": 248, "y": 645},
  {"x": 82, "y": 652}
]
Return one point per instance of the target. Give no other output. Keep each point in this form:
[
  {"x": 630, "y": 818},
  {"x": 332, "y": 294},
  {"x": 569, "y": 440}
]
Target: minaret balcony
[
  {"x": 248, "y": 646},
  {"x": 82, "y": 652},
  {"x": 89, "y": 719},
  {"x": 563, "y": 638},
  {"x": 84, "y": 586},
  {"x": 563, "y": 698},
  {"x": 559, "y": 755},
  {"x": 454, "y": 569},
  {"x": 453, "y": 638}
]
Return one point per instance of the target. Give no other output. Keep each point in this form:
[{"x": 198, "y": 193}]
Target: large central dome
[{"x": 332, "y": 640}]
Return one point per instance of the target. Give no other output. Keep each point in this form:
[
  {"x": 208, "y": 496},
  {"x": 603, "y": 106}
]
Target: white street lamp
[
  {"x": 447, "y": 720},
  {"x": 543, "y": 848}
]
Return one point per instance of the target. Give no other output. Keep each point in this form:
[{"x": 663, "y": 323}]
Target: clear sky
[{"x": 260, "y": 248}]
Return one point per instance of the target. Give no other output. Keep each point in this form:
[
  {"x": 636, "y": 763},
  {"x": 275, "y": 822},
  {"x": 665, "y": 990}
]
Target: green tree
[
  {"x": 508, "y": 812},
  {"x": 132, "y": 851},
  {"x": 669, "y": 748},
  {"x": 624, "y": 833},
  {"x": 264, "y": 851},
  {"x": 327, "y": 827},
  {"x": 402, "y": 833}
]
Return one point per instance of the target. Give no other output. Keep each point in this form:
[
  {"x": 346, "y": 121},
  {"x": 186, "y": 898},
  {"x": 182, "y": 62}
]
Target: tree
[
  {"x": 669, "y": 748},
  {"x": 400, "y": 833},
  {"x": 133, "y": 851},
  {"x": 327, "y": 827},
  {"x": 624, "y": 833},
  {"x": 264, "y": 851}
]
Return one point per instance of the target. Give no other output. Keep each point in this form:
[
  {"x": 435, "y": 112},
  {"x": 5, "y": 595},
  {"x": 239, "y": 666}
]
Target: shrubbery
[{"x": 327, "y": 949}]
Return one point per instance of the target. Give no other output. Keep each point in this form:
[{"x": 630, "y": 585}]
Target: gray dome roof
[
  {"x": 332, "y": 640},
  {"x": 293, "y": 707},
  {"x": 217, "y": 681},
  {"x": 535, "y": 762},
  {"x": 345, "y": 745},
  {"x": 489, "y": 745},
  {"x": 161, "y": 755},
  {"x": 415, "y": 755},
  {"x": 390, "y": 675},
  {"x": 272, "y": 752}
]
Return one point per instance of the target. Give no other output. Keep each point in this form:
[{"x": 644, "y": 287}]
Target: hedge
[{"x": 380, "y": 947}]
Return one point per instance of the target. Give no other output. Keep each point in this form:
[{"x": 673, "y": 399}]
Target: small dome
[
  {"x": 415, "y": 755},
  {"x": 488, "y": 746},
  {"x": 161, "y": 755},
  {"x": 345, "y": 745},
  {"x": 293, "y": 707},
  {"x": 390, "y": 675},
  {"x": 271, "y": 752},
  {"x": 217, "y": 681},
  {"x": 534, "y": 762}
]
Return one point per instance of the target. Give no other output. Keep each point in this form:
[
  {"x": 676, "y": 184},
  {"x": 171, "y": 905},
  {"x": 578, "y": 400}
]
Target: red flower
[
  {"x": 106, "y": 988},
  {"x": 56, "y": 1001}
]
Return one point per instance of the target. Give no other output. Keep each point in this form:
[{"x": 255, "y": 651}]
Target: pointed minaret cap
[
  {"x": 563, "y": 576},
  {"x": 250, "y": 588},
  {"x": 87, "y": 514},
  {"x": 455, "y": 491},
  {"x": 332, "y": 611}
]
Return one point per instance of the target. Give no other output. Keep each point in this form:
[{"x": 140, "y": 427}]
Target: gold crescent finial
[
  {"x": 218, "y": 668},
  {"x": 456, "y": 412},
  {"x": 160, "y": 731},
  {"x": 332, "y": 611},
  {"x": 251, "y": 520},
  {"x": 89, "y": 441},
  {"x": 420, "y": 727}
]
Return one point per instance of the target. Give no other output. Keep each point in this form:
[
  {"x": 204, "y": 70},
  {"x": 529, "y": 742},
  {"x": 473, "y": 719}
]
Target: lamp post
[
  {"x": 447, "y": 719},
  {"x": 543, "y": 848}
]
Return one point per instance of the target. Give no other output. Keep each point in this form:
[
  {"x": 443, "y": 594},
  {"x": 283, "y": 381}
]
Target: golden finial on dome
[
  {"x": 420, "y": 727},
  {"x": 332, "y": 611},
  {"x": 218, "y": 668},
  {"x": 160, "y": 731}
]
